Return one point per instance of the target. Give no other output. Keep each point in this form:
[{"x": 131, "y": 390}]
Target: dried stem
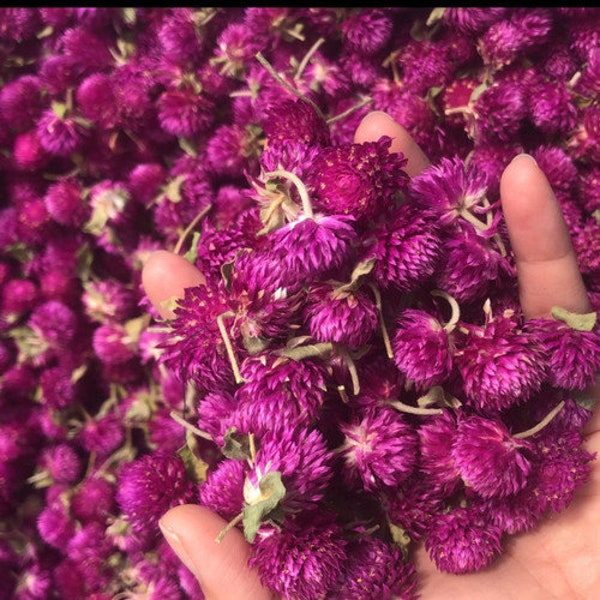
[
  {"x": 190, "y": 227},
  {"x": 229, "y": 526},
  {"x": 455, "y": 316},
  {"x": 229, "y": 347},
  {"x": 306, "y": 204},
  {"x": 384, "y": 332},
  {"x": 307, "y": 57},
  {"x": 414, "y": 410},
  {"x": 533, "y": 430},
  {"x": 349, "y": 111},
  {"x": 189, "y": 426}
]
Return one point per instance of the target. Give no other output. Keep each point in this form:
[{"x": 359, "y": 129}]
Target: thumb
[{"x": 220, "y": 567}]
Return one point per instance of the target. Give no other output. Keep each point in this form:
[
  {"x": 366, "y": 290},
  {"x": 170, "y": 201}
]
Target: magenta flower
[
  {"x": 379, "y": 449},
  {"x": 462, "y": 541},
  {"x": 149, "y": 486},
  {"x": 499, "y": 364},
  {"x": 302, "y": 562},
  {"x": 21, "y": 102},
  {"x": 368, "y": 30},
  {"x": 376, "y": 569},
  {"x": 572, "y": 355},
  {"x": 223, "y": 490},
  {"x": 346, "y": 317},
  {"x": 358, "y": 179},
  {"x": 185, "y": 112},
  {"x": 407, "y": 249},
  {"x": 312, "y": 246},
  {"x": 422, "y": 348},
  {"x": 489, "y": 459},
  {"x": 60, "y": 135}
]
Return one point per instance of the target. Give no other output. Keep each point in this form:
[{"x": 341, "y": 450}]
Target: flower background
[{"x": 122, "y": 127}]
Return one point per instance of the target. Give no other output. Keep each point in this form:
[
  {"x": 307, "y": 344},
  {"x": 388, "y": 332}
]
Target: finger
[
  {"x": 165, "y": 275},
  {"x": 220, "y": 567},
  {"x": 377, "y": 123},
  {"x": 547, "y": 268}
]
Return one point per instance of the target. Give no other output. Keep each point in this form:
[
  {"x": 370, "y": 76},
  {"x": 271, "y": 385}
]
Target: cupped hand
[{"x": 559, "y": 559}]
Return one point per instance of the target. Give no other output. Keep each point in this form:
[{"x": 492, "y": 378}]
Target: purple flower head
[
  {"x": 223, "y": 490},
  {"x": 473, "y": 265},
  {"x": 326, "y": 75},
  {"x": 334, "y": 313},
  {"x": 367, "y": 30},
  {"x": 376, "y": 569},
  {"x": 490, "y": 460},
  {"x": 312, "y": 246},
  {"x": 91, "y": 51},
  {"x": 19, "y": 296},
  {"x": 572, "y": 355},
  {"x": 295, "y": 121},
  {"x": 96, "y": 100},
  {"x": 55, "y": 323},
  {"x": 235, "y": 49},
  {"x": 29, "y": 153},
  {"x": 21, "y": 103},
  {"x": 102, "y": 434},
  {"x": 560, "y": 169},
  {"x": 66, "y": 204},
  {"x": 407, "y": 249},
  {"x": 499, "y": 112},
  {"x": 233, "y": 151},
  {"x": 552, "y": 108},
  {"x": 145, "y": 180},
  {"x": 448, "y": 190},
  {"x": 55, "y": 525},
  {"x": 194, "y": 347},
  {"x": 94, "y": 500},
  {"x": 181, "y": 36},
  {"x": 215, "y": 411},
  {"x": 302, "y": 458},
  {"x": 301, "y": 562},
  {"x": 109, "y": 300},
  {"x": 499, "y": 364},
  {"x": 149, "y": 486},
  {"x": 60, "y": 133},
  {"x": 462, "y": 541},
  {"x": 361, "y": 180},
  {"x": 586, "y": 242},
  {"x": 422, "y": 348},
  {"x": 379, "y": 449},
  {"x": 506, "y": 39},
  {"x": 294, "y": 387},
  {"x": 264, "y": 297},
  {"x": 185, "y": 112},
  {"x": 472, "y": 20},
  {"x": 113, "y": 344},
  {"x": 437, "y": 436},
  {"x": 61, "y": 462}
]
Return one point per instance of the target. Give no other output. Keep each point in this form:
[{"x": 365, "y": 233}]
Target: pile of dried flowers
[{"x": 355, "y": 376}]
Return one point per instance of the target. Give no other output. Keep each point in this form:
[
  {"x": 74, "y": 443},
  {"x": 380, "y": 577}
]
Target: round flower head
[
  {"x": 55, "y": 526},
  {"x": 293, "y": 120},
  {"x": 61, "y": 462},
  {"x": 552, "y": 108},
  {"x": 489, "y": 459},
  {"x": 343, "y": 316},
  {"x": 407, "y": 249},
  {"x": 21, "y": 102},
  {"x": 472, "y": 265},
  {"x": 312, "y": 246},
  {"x": 94, "y": 500},
  {"x": 462, "y": 541},
  {"x": 265, "y": 300},
  {"x": 60, "y": 135},
  {"x": 223, "y": 490},
  {"x": 194, "y": 347},
  {"x": 233, "y": 151},
  {"x": 376, "y": 569},
  {"x": 149, "y": 486},
  {"x": 28, "y": 152},
  {"x": 572, "y": 355},
  {"x": 102, "y": 434},
  {"x": 367, "y": 31},
  {"x": 472, "y": 20},
  {"x": 214, "y": 413},
  {"x": 184, "y": 112},
  {"x": 586, "y": 242},
  {"x": 499, "y": 364},
  {"x": 422, "y": 348},
  {"x": 436, "y": 438},
  {"x": 55, "y": 323},
  {"x": 379, "y": 449},
  {"x": 294, "y": 387},
  {"x": 447, "y": 190},
  {"x": 358, "y": 179},
  {"x": 112, "y": 343},
  {"x": 302, "y": 459},
  {"x": 301, "y": 561}
]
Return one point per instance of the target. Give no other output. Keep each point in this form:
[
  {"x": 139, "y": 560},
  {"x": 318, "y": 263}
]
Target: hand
[{"x": 559, "y": 558}]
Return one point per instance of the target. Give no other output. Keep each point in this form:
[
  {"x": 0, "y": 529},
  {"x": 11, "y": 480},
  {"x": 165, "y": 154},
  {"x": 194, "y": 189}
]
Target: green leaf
[
  {"x": 308, "y": 351},
  {"x": 192, "y": 254},
  {"x": 195, "y": 467},
  {"x": 265, "y": 506},
  {"x": 578, "y": 321},
  {"x": 173, "y": 189},
  {"x": 236, "y": 445}
]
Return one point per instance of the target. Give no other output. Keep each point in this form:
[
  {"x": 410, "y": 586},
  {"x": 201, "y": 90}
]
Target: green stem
[
  {"x": 414, "y": 410},
  {"x": 190, "y": 227},
  {"x": 228, "y": 346},
  {"x": 455, "y": 316},
  {"x": 307, "y": 57},
  {"x": 533, "y": 430}
]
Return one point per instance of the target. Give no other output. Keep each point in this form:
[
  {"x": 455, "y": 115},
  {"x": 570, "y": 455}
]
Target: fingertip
[
  {"x": 166, "y": 275},
  {"x": 220, "y": 566},
  {"x": 378, "y": 123}
]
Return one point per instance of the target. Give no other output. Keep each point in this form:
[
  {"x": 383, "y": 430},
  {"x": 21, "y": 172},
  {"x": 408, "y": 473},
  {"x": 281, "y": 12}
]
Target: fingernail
[
  {"x": 527, "y": 157},
  {"x": 176, "y": 545}
]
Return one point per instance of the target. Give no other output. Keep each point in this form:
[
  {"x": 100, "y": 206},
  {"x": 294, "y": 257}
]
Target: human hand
[{"x": 558, "y": 558}]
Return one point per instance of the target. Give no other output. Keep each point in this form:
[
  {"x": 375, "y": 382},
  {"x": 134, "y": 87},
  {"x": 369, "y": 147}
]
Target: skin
[{"x": 559, "y": 559}]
